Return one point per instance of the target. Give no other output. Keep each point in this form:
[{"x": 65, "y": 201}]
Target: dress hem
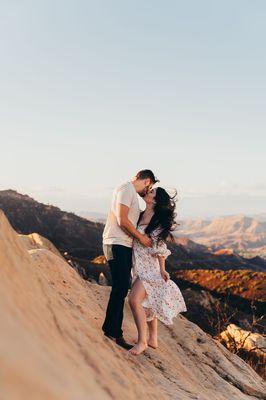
[{"x": 156, "y": 315}]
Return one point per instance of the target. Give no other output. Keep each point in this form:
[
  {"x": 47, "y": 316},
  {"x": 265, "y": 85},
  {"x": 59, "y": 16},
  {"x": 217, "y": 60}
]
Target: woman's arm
[
  {"x": 164, "y": 273},
  {"x": 159, "y": 248}
]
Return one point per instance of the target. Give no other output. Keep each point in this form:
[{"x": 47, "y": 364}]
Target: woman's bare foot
[
  {"x": 153, "y": 342},
  {"x": 138, "y": 349}
]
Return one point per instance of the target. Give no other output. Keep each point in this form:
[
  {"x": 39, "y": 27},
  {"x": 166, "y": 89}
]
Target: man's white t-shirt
[{"x": 124, "y": 194}]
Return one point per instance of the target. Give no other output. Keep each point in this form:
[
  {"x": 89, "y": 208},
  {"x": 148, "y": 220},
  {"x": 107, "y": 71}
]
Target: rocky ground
[{"x": 51, "y": 346}]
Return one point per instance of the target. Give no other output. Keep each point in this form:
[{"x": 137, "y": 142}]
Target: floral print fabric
[{"x": 164, "y": 300}]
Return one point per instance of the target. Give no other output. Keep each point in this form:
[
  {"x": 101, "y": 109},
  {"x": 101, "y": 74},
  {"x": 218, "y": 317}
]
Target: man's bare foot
[
  {"x": 138, "y": 349},
  {"x": 153, "y": 342}
]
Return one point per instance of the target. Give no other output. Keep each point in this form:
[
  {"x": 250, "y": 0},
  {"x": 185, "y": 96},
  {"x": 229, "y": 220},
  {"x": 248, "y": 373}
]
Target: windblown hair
[
  {"x": 147, "y": 174},
  {"x": 164, "y": 215}
]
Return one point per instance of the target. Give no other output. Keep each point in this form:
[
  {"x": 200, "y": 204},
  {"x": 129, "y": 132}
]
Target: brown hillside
[
  {"x": 51, "y": 346},
  {"x": 248, "y": 284}
]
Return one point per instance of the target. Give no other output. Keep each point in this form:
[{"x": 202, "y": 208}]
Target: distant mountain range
[
  {"x": 81, "y": 239},
  {"x": 238, "y": 233},
  {"x": 241, "y": 234},
  {"x": 101, "y": 217},
  {"x": 260, "y": 217},
  {"x": 93, "y": 216}
]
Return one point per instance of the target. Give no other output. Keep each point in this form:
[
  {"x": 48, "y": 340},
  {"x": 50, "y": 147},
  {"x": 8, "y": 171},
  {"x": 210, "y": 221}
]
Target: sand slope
[{"x": 51, "y": 346}]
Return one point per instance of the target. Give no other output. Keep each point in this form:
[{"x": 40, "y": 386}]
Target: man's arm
[{"x": 128, "y": 227}]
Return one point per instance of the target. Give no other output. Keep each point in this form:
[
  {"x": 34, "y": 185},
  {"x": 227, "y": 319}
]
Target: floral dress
[{"x": 163, "y": 298}]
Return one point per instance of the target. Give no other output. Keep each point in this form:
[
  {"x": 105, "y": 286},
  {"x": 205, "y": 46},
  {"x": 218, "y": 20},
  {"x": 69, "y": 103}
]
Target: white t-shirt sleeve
[{"x": 124, "y": 196}]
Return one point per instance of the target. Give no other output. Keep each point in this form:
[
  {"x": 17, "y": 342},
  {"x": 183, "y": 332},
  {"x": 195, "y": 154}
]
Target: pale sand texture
[{"x": 52, "y": 347}]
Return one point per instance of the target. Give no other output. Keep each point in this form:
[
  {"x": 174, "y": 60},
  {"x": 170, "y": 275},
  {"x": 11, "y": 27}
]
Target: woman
[{"x": 153, "y": 295}]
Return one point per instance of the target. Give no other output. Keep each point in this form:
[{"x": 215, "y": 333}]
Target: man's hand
[{"x": 145, "y": 240}]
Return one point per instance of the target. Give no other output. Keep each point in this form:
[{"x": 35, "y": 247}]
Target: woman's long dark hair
[{"x": 164, "y": 214}]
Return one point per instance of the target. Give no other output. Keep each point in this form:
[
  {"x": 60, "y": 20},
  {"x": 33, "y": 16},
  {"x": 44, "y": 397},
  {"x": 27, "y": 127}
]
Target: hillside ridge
[{"x": 51, "y": 343}]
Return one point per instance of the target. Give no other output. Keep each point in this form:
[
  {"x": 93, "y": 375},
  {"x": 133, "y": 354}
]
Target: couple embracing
[{"x": 134, "y": 244}]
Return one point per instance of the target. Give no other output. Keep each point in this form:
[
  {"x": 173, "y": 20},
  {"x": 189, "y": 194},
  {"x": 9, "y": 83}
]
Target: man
[{"x": 118, "y": 234}]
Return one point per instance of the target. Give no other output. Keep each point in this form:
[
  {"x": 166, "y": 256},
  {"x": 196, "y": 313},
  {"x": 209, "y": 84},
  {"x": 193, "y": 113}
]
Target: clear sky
[{"x": 93, "y": 91}]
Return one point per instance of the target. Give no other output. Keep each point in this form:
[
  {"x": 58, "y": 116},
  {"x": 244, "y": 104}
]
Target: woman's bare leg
[
  {"x": 136, "y": 296},
  {"x": 153, "y": 340}
]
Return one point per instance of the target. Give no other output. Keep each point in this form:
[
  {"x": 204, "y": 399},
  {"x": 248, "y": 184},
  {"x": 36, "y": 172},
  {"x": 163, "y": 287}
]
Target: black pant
[{"x": 120, "y": 268}]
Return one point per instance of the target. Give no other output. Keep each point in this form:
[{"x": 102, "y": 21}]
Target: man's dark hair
[{"x": 147, "y": 174}]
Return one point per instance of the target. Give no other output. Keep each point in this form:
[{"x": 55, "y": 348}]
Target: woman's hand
[{"x": 165, "y": 275}]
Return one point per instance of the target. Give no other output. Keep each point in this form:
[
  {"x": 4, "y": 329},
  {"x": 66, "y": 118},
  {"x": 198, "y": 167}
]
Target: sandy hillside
[{"x": 51, "y": 346}]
